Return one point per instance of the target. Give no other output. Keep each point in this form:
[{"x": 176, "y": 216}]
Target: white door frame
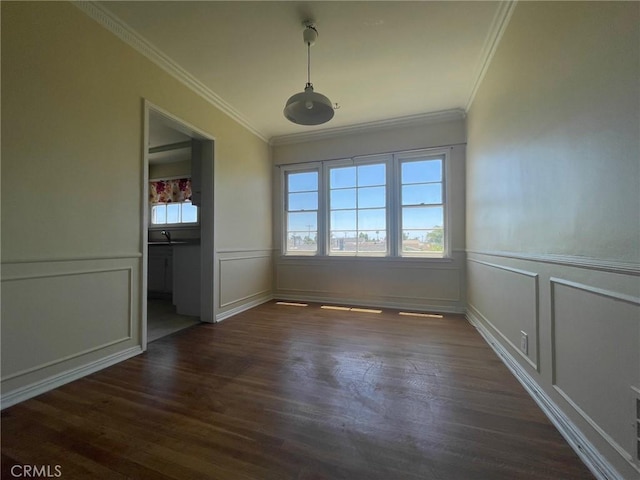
[{"x": 208, "y": 294}]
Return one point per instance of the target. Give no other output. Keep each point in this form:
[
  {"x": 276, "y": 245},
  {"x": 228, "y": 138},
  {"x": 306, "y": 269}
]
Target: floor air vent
[{"x": 636, "y": 399}]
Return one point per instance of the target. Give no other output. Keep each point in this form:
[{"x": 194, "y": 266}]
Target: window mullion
[
  {"x": 323, "y": 210},
  {"x": 395, "y": 227},
  {"x": 357, "y": 210}
]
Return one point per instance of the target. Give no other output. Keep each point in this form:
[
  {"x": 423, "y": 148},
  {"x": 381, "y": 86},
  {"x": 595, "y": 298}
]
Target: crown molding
[
  {"x": 128, "y": 35},
  {"x": 368, "y": 127},
  {"x": 496, "y": 30}
]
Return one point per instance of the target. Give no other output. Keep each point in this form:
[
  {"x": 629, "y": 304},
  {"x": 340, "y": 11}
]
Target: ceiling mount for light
[{"x": 309, "y": 107}]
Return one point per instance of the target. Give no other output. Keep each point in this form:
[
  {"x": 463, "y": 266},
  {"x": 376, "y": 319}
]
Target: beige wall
[
  {"x": 72, "y": 134},
  {"x": 448, "y": 128},
  {"x": 417, "y": 284},
  {"x": 556, "y": 123},
  {"x": 552, "y": 211}
]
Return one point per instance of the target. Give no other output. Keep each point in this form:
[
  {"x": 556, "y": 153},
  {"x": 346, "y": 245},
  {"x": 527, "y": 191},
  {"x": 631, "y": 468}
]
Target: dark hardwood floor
[{"x": 282, "y": 392}]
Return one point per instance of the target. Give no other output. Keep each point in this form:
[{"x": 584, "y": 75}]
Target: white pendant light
[{"x": 309, "y": 107}]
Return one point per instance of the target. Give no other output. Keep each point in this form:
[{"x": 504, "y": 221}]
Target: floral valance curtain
[{"x": 170, "y": 191}]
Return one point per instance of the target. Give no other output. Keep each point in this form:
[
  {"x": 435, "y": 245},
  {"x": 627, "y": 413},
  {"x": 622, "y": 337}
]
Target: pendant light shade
[{"x": 309, "y": 107}]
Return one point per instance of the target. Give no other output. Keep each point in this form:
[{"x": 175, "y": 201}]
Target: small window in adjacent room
[
  {"x": 174, "y": 213},
  {"x": 170, "y": 202}
]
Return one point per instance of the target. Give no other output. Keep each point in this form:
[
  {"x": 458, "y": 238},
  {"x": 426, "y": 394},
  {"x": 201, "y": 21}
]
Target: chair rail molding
[{"x": 613, "y": 266}]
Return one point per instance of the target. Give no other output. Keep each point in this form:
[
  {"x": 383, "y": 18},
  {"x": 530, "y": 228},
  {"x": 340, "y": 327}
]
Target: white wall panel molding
[
  {"x": 244, "y": 276},
  {"x": 383, "y": 262},
  {"x": 70, "y": 258},
  {"x": 260, "y": 294},
  {"x": 473, "y": 310},
  {"x": 128, "y": 35},
  {"x": 24, "y": 393},
  {"x": 587, "y": 452},
  {"x": 615, "y": 445},
  {"x": 245, "y": 306},
  {"x": 526, "y": 273},
  {"x": 46, "y": 307},
  {"x": 597, "y": 291},
  {"x": 391, "y": 301},
  {"x": 68, "y": 273},
  {"x": 64, "y": 359},
  {"x": 625, "y": 268},
  {"x": 223, "y": 251},
  {"x": 532, "y": 294},
  {"x": 79, "y": 315},
  {"x": 302, "y": 291},
  {"x": 609, "y": 323},
  {"x": 379, "y": 282},
  {"x": 225, "y": 255}
]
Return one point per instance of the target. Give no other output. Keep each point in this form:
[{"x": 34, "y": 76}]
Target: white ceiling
[
  {"x": 378, "y": 60},
  {"x": 164, "y": 132}
]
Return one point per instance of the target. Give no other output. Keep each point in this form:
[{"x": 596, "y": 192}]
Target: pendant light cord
[{"x": 309, "y": 64}]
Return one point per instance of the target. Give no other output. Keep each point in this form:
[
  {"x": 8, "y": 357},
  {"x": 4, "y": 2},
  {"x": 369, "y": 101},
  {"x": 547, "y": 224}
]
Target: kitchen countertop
[{"x": 174, "y": 243}]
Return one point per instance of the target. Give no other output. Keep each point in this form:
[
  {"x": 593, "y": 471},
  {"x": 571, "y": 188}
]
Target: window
[
  {"x": 173, "y": 213},
  {"x": 358, "y": 209},
  {"x": 170, "y": 202},
  {"x": 382, "y": 205},
  {"x": 422, "y": 207},
  {"x": 302, "y": 212}
]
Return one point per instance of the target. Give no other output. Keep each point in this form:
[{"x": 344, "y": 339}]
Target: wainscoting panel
[
  {"x": 373, "y": 282},
  {"x": 62, "y": 315},
  {"x": 586, "y": 314},
  {"x": 596, "y": 332},
  {"x": 507, "y": 299},
  {"x": 244, "y": 276}
]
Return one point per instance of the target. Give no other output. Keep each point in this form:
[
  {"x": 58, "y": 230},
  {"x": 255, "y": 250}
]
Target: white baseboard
[
  {"x": 29, "y": 391},
  {"x": 245, "y": 306},
  {"x": 598, "y": 465}
]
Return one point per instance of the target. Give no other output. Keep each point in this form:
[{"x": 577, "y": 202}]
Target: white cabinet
[
  {"x": 160, "y": 271},
  {"x": 186, "y": 279}
]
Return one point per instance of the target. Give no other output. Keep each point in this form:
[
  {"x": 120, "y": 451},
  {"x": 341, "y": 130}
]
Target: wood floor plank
[{"x": 282, "y": 392}]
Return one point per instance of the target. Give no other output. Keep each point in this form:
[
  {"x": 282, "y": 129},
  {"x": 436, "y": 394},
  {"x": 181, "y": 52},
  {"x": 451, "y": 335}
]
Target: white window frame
[
  {"x": 162, "y": 226},
  {"x": 401, "y": 158},
  {"x": 356, "y": 162},
  {"x": 301, "y": 168},
  {"x": 393, "y": 207}
]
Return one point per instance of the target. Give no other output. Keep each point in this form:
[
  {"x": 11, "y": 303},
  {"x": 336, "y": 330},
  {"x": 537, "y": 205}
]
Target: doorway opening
[{"x": 177, "y": 232}]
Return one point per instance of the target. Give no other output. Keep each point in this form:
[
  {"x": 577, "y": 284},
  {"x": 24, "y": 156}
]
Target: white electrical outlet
[{"x": 524, "y": 342}]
